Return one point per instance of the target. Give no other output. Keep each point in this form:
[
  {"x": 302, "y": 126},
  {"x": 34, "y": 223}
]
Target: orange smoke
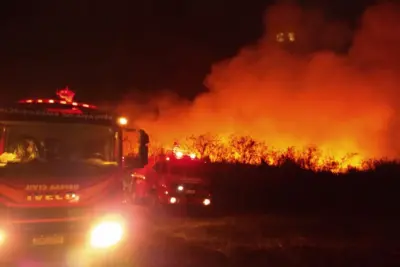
[{"x": 300, "y": 93}]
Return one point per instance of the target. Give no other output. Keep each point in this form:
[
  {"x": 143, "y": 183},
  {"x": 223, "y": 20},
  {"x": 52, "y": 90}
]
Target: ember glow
[{"x": 271, "y": 99}]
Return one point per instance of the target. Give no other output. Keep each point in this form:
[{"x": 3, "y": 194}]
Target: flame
[{"x": 304, "y": 101}]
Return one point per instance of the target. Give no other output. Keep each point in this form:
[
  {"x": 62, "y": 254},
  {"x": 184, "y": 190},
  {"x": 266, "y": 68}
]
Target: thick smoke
[{"x": 302, "y": 93}]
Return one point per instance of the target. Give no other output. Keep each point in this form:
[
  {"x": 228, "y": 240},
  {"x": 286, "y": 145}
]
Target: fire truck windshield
[{"x": 28, "y": 142}]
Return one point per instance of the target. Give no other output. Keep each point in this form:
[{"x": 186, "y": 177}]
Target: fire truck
[
  {"x": 61, "y": 179},
  {"x": 175, "y": 178}
]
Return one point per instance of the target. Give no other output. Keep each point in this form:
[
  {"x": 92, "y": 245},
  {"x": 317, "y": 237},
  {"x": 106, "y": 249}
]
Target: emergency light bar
[
  {"x": 67, "y": 106},
  {"x": 52, "y": 101},
  {"x": 66, "y": 96},
  {"x": 180, "y": 155}
]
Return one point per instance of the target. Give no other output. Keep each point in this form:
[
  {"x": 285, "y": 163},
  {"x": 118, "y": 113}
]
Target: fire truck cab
[
  {"x": 61, "y": 179},
  {"x": 174, "y": 179}
]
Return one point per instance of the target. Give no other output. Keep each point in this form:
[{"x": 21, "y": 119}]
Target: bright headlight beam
[
  {"x": 122, "y": 121},
  {"x": 106, "y": 234},
  {"x": 206, "y": 202},
  {"x": 2, "y": 237}
]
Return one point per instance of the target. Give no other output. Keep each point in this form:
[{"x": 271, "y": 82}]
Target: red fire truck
[
  {"x": 174, "y": 179},
  {"x": 61, "y": 179}
]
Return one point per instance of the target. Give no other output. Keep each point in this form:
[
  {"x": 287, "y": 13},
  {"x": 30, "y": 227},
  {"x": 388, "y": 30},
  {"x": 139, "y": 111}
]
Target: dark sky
[{"x": 111, "y": 47}]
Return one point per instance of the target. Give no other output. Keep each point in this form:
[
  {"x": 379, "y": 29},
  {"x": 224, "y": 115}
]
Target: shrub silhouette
[
  {"x": 247, "y": 150},
  {"x": 250, "y": 176}
]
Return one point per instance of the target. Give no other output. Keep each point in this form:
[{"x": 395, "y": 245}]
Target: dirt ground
[
  {"x": 262, "y": 240},
  {"x": 270, "y": 240}
]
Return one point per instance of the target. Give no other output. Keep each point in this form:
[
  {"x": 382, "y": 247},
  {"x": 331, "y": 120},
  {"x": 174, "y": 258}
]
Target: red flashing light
[
  {"x": 66, "y": 94},
  {"x": 180, "y": 155},
  {"x": 52, "y": 101}
]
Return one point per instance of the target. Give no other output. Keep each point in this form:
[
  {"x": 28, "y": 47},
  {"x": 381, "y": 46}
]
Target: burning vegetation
[{"x": 308, "y": 103}]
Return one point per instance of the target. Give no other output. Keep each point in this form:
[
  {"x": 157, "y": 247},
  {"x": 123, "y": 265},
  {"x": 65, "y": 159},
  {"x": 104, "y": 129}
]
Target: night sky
[{"x": 103, "y": 49}]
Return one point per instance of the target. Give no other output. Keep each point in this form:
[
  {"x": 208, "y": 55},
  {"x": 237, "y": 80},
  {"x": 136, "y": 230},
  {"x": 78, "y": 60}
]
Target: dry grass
[
  {"x": 279, "y": 241},
  {"x": 272, "y": 241}
]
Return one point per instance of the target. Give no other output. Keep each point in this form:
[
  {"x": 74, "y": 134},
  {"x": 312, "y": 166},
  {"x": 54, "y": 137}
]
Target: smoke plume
[{"x": 298, "y": 93}]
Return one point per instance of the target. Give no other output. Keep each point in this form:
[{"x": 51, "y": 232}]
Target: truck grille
[
  {"x": 22, "y": 214},
  {"x": 194, "y": 190},
  {"x": 47, "y": 228}
]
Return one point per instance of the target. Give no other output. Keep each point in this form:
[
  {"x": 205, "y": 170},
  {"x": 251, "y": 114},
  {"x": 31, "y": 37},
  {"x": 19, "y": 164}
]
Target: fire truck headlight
[
  {"x": 180, "y": 188},
  {"x": 206, "y": 202},
  {"x": 106, "y": 234},
  {"x": 2, "y": 237},
  {"x": 172, "y": 200},
  {"x": 122, "y": 121}
]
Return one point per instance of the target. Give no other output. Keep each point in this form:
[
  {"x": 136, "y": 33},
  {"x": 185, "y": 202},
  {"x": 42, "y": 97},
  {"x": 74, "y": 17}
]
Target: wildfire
[
  {"x": 246, "y": 150},
  {"x": 311, "y": 105}
]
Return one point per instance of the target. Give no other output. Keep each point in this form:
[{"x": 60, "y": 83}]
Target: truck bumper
[
  {"x": 187, "y": 201},
  {"x": 66, "y": 247},
  {"x": 65, "y": 255}
]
